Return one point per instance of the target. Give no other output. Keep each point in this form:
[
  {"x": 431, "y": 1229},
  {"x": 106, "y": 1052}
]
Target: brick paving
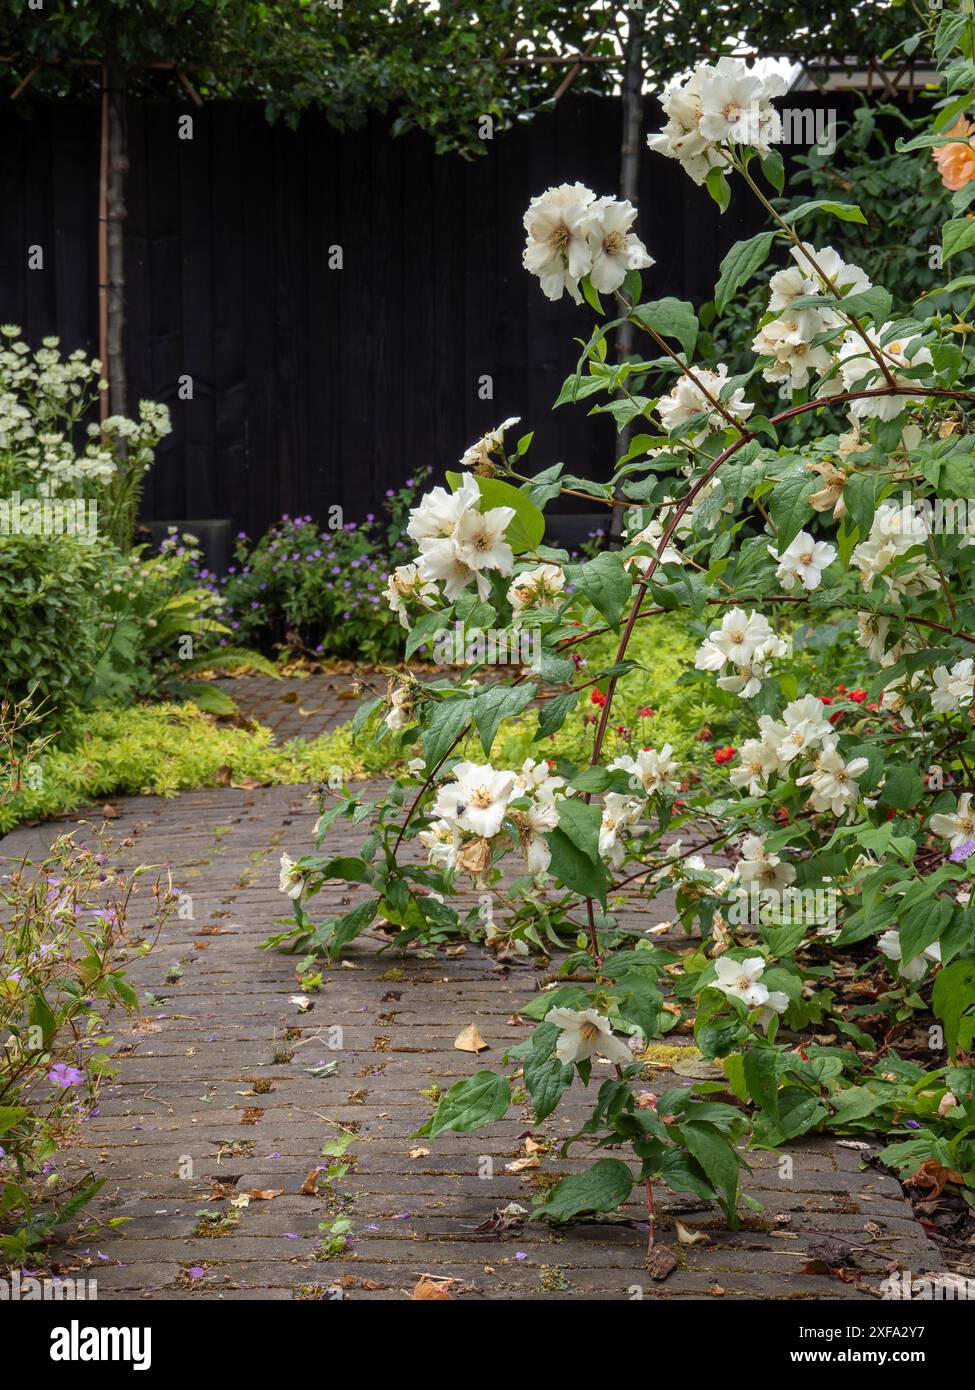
[{"x": 210, "y": 1091}]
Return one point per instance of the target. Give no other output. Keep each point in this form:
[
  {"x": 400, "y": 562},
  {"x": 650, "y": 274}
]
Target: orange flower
[{"x": 956, "y": 162}]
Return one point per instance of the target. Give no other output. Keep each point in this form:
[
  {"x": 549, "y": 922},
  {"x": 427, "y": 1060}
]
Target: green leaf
[
  {"x": 607, "y": 585},
  {"x": 719, "y": 188},
  {"x": 846, "y": 212},
  {"x": 442, "y": 726},
  {"x": 498, "y": 702},
  {"x": 957, "y": 235},
  {"x": 670, "y": 318},
  {"x": 954, "y": 999},
  {"x": 603, "y": 1187},
  {"x": 546, "y": 1079},
  {"x": 717, "y": 1157},
  {"x": 334, "y": 936},
  {"x": 11, "y": 1115},
  {"x": 762, "y": 1078},
  {"x": 903, "y": 788},
  {"x": 580, "y": 821},
  {"x": 477, "y": 1100},
  {"x": 790, "y": 507},
  {"x": 554, "y": 713},
  {"x": 571, "y": 866},
  {"x": 739, "y": 265}
]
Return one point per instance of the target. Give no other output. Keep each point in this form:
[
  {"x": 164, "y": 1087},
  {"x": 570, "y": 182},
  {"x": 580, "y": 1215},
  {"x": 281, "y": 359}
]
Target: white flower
[
  {"x": 759, "y": 867},
  {"x": 954, "y": 689},
  {"x": 613, "y": 247},
  {"x": 735, "y": 640},
  {"x": 441, "y": 840},
  {"x": 652, "y": 534},
  {"x": 788, "y": 341},
  {"x": 916, "y": 969},
  {"x": 558, "y": 249},
  {"x": 585, "y": 1034},
  {"x": 848, "y": 279},
  {"x": 958, "y": 825},
  {"x": 407, "y": 583},
  {"x": 533, "y": 825},
  {"x": 618, "y": 812},
  {"x": 803, "y": 727},
  {"x": 803, "y": 559},
  {"x": 654, "y": 771},
  {"x": 736, "y": 106},
  {"x": 536, "y": 588},
  {"x": 292, "y": 879},
  {"x": 833, "y": 781},
  {"x": 687, "y": 401},
  {"x": 479, "y": 454},
  {"x": 741, "y": 979},
  {"x": 757, "y": 760},
  {"x": 401, "y": 710},
  {"x": 477, "y": 800},
  {"x": 440, "y": 563},
  {"x": 859, "y": 371},
  {"x": 478, "y": 539},
  {"x": 537, "y": 780},
  {"x": 439, "y": 510}
]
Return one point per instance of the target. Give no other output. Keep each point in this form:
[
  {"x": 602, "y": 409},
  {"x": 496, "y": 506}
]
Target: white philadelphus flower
[
  {"x": 439, "y": 510},
  {"x": 833, "y": 781},
  {"x": 533, "y": 825},
  {"x": 477, "y": 799},
  {"x": 440, "y": 563},
  {"x": 958, "y": 825},
  {"x": 804, "y": 559},
  {"x": 915, "y": 969},
  {"x": 480, "y": 453},
  {"x": 619, "y": 812},
  {"x": 479, "y": 539},
  {"x": 803, "y": 727},
  {"x": 749, "y": 675},
  {"x": 401, "y": 710},
  {"x": 954, "y": 689},
  {"x": 742, "y": 979},
  {"x": 405, "y": 584},
  {"x": 441, "y": 840},
  {"x": 538, "y": 780},
  {"x": 558, "y": 249},
  {"x": 654, "y": 771},
  {"x": 788, "y": 341},
  {"x": 686, "y": 401},
  {"x": 536, "y": 588},
  {"x": 715, "y": 106},
  {"x": 292, "y": 879},
  {"x": 896, "y": 529},
  {"x": 739, "y": 635},
  {"x": 614, "y": 248},
  {"x": 766, "y": 870},
  {"x": 585, "y": 1034},
  {"x": 859, "y": 371},
  {"x": 652, "y": 535},
  {"x": 757, "y": 760},
  {"x": 894, "y": 701}
]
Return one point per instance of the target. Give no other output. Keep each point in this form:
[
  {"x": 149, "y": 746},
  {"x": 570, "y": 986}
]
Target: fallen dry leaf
[
  {"x": 110, "y": 812},
  {"x": 309, "y": 1188},
  {"x": 686, "y": 1235},
  {"x": 265, "y": 1194},
  {"x": 428, "y": 1288},
  {"x": 418, "y": 1153},
  {"x": 470, "y": 1040},
  {"x": 520, "y": 1165}
]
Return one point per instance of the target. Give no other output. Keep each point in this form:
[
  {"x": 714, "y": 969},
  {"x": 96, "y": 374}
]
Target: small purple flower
[
  {"x": 962, "y": 852},
  {"x": 196, "y": 1271},
  {"x": 63, "y": 1075}
]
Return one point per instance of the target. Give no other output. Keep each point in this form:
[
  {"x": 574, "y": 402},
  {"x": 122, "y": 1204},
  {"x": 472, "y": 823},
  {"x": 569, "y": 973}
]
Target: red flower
[
  {"x": 598, "y": 698},
  {"x": 724, "y": 755},
  {"x": 841, "y": 689},
  {"x": 646, "y": 712},
  {"x": 858, "y": 695},
  {"x": 825, "y": 699}
]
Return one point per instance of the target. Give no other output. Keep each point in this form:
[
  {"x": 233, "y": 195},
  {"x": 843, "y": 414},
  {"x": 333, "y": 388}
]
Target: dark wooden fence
[{"x": 315, "y": 386}]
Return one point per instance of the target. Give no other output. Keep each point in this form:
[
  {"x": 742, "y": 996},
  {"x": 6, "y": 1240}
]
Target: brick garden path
[{"x": 217, "y": 1096}]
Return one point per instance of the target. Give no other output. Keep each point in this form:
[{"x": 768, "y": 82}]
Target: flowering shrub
[
  {"x": 48, "y": 450},
  {"x": 62, "y": 955},
  {"x": 845, "y": 815},
  {"x": 319, "y": 590}
]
